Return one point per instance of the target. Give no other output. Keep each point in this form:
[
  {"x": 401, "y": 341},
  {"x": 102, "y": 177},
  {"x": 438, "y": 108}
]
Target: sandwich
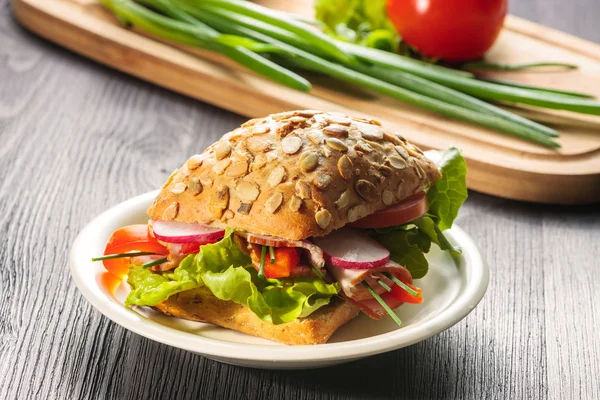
[{"x": 290, "y": 226}]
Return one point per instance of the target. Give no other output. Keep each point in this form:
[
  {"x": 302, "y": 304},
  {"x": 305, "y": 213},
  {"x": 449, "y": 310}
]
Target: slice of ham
[
  {"x": 177, "y": 252},
  {"x": 351, "y": 279},
  {"x": 312, "y": 251}
]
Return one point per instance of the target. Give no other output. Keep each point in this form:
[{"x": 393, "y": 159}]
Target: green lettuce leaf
[
  {"x": 149, "y": 288},
  {"x": 407, "y": 248},
  {"x": 427, "y": 226},
  {"x": 228, "y": 273},
  {"x": 448, "y": 193},
  {"x": 363, "y": 22}
]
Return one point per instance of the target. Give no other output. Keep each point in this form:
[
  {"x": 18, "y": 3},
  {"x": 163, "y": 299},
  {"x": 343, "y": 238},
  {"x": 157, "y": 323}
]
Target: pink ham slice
[
  {"x": 372, "y": 307},
  {"x": 351, "y": 279},
  {"x": 312, "y": 251}
]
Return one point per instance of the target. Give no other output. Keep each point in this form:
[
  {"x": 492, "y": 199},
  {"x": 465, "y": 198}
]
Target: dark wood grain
[{"x": 77, "y": 138}]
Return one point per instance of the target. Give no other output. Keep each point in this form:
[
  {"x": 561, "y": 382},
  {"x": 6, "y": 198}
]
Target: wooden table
[{"x": 77, "y": 138}]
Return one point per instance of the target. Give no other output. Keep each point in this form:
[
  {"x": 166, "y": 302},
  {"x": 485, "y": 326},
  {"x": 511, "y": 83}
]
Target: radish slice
[
  {"x": 181, "y": 232},
  {"x": 352, "y": 249}
]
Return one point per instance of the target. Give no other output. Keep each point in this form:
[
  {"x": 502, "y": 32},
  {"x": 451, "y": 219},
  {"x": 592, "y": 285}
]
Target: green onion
[
  {"x": 403, "y": 63},
  {"x": 530, "y": 130},
  {"x": 482, "y": 65},
  {"x": 449, "y": 110},
  {"x": 272, "y": 254},
  {"x": 198, "y": 36},
  {"x": 123, "y": 255},
  {"x": 261, "y": 269},
  {"x": 155, "y": 262},
  {"x": 407, "y": 81},
  {"x": 403, "y": 285},
  {"x": 383, "y": 304},
  {"x": 448, "y": 95},
  {"x": 539, "y": 89},
  {"x": 496, "y": 92},
  {"x": 276, "y": 18},
  {"x": 383, "y": 285},
  {"x": 240, "y": 30},
  {"x": 318, "y": 272}
]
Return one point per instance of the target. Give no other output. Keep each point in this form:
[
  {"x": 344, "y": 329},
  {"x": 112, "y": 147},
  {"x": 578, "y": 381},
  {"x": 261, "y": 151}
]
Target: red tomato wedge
[
  {"x": 127, "y": 239},
  {"x": 398, "y": 214},
  {"x": 402, "y": 295}
]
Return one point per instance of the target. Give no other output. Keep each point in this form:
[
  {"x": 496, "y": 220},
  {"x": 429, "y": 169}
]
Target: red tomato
[
  {"x": 402, "y": 295},
  {"x": 126, "y": 239},
  {"x": 411, "y": 208},
  {"x": 286, "y": 258},
  {"x": 454, "y": 30}
]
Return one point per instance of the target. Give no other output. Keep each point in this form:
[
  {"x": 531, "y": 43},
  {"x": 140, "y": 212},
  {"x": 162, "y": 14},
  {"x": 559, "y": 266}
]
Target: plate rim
[{"x": 468, "y": 298}]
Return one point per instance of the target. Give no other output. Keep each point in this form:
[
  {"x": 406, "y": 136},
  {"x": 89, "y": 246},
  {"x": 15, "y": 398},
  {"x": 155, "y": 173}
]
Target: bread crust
[
  {"x": 201, "y": 305},
  {"x": 295, "y": 175}
]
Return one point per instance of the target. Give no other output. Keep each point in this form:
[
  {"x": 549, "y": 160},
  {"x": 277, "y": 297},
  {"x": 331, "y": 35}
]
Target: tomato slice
[
  {"x": 402, "y": 295},
  {"x": 398, "y": 214},
  {"x": 286, "y": 258},
  {"x": 126, "y": 239}
]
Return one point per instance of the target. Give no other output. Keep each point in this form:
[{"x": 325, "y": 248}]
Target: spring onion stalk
[
  {"x": 464, "y": 84},
  {"x": 272, "y": 254},
  {"x": 383, "y": 285},
  {"x": 495, "y": 92},
  {"x": 214, "y": 25},
  {"x": 123, "y": 255},
  {"x": 313, "y": 63},
  {"x": 318, "y": 272},
  {"x": 155, "y": 262},
  {"x": 539, "y": 89},
  {"x": 254, "y": 24},
  {"x": 194, "y": 35},
  {"x": 403, "y": 285},
  {"x": 317, "y": 38},
  {"x": 450, "y": 96},
  {"x": 375, "y": 56},
  {"x": 383, "y": 304},
  {"x": 403, "y": 63},
  {"x": 396, "y": 77},
  {"x": 482, "y": 65},
  {"x": 261, "y": 268}
]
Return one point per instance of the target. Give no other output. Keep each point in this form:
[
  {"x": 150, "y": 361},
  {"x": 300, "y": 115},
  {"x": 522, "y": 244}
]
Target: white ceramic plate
[{"x": 451, "y": 290}]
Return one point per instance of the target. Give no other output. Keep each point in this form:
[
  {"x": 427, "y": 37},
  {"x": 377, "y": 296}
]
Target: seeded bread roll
[{"x": 295, "y": 175}]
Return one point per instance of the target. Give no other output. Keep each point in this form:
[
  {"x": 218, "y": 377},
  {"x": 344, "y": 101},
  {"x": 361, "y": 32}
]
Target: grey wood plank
[{"x": 77, "y": 138}]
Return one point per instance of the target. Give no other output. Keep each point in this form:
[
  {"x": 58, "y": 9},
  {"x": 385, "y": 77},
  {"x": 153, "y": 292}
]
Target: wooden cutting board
[{"x": 498, "y": 164}]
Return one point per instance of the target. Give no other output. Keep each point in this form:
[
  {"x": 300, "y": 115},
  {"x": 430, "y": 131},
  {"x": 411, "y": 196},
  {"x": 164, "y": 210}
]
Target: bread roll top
[{"x": 295, "y": 175}]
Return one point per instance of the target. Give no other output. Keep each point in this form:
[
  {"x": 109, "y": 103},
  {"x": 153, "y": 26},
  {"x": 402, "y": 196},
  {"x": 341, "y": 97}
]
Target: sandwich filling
[{"x": 371, "y": 262}]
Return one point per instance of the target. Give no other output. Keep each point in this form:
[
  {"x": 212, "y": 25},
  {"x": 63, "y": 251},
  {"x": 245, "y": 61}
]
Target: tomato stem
[
  {"x": 155, "y": 262},
  {"x": 123, "y": 255},
  {"x": 383, "y": 304},
  {"x": 403, "y": 285}
]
